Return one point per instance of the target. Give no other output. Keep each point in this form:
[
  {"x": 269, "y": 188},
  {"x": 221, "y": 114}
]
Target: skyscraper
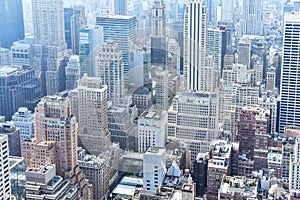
[
  {"x": 290, "y": 87},
  {"x": 54, "y": 122},
  {"x": 74, "y": 20},
  {"x": 19, "y": 87},
  {"x": 120, "y": 7},
  {"x": 251, "y": 19},
  {"x": 244, "y": 51},
  {"x": 122, "y": 30},
  {"x": 89, "y": 39},
  {"x": 11, "y": 22},
  {"x": 49, "y": 42},
  {"x": 198, "y": 71},
  {"x": 227, "y": 11},
  {"x": 93, "y": 115},
  {"x": 158, "y": 34},
  {"x": 110, "y": 68}
]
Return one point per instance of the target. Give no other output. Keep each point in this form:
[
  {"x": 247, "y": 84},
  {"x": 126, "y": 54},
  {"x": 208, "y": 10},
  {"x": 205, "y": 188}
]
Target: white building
[
  {"x": 110, "y": 68},
  {"x": 24, "y": 120},
  {"x": 154, "y": 168},
  {"x": 21, "y": 52},
  {"x": 198, "y": 67},
  {"x": 5, "y": 190},
  {"x": 290, "y": 86},
  {"x": 193, "y": 118},
  {"x": 152, "y": 127}
]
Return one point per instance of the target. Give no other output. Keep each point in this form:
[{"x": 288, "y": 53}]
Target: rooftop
[{"x": 239, "y": 185}]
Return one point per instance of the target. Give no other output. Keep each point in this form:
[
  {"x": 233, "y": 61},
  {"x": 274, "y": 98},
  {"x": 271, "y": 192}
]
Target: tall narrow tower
[
  {"x": 158, "y": 34},
  {"x": 290, "y": 73},
  {"x": 158, "y": 18},
  {"x": 198, "y": 69}
]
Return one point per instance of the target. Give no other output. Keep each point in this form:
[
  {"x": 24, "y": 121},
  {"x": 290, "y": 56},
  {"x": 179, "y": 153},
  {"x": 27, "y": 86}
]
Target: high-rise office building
[
  {"x": 121, "y": 127},
  {"x": 193, "y": 118},
  {"x": 110, "y": 68},
  {"x": 97, "y": 171},
  {"x": 19, "y": 85},
  {"x": 23, "y": 119},
  {"x": 227, "y": 10},
  {"x": 75, "y": 19},
  {"x": 120, "y": 7},
  {"x": 251, "y": 21},
  {"x": 162, "y": 89},
  {"x": 5, "y": 188},
  {"x": 122, "y": 30},
  {"x": 49, "y": 48},
  {"x": 154, "y": 168},
  {"x": 17, "y": 177},
  {"x": 198, "y": 71},
  {"x": 54, "y": 122},
  {"x": 89, "y": 39},
  {"x": 216, "y": 46},
  {"x": 158, "y": 34},
  {"x": 244, "y": 51},
  {"x": 72, "y": 72},
  {"x": 290, "y": 87},
  {"x": 11, "y": 21},
  {"x": 93, "y": 133},
  {"x": 200, "y": 173},
  {"x": 152, "y": 130}
]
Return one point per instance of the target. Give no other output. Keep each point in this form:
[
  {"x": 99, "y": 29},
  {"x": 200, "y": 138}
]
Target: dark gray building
[
  {"x": 121, "y": 128},
  {"x": 75, "y": 19},
  {"x": 200, "y": 173},
  {"x": 13, "y": 135},
  {"x": 19, "y": 87}
]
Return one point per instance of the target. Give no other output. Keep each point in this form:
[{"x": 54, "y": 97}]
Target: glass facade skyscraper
[
  {"x": 11, "y": 22},
  {"x": 290, "y": 74}
]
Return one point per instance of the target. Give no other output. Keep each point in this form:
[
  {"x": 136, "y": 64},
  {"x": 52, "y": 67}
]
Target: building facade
[
  {"x": 11, "y": 17},
  {"x": 23, "y": 119},
  {"x": 19, "y": 85},
  {"x": 288, "y": 115},
  {"x": 93, "y": 134}
]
